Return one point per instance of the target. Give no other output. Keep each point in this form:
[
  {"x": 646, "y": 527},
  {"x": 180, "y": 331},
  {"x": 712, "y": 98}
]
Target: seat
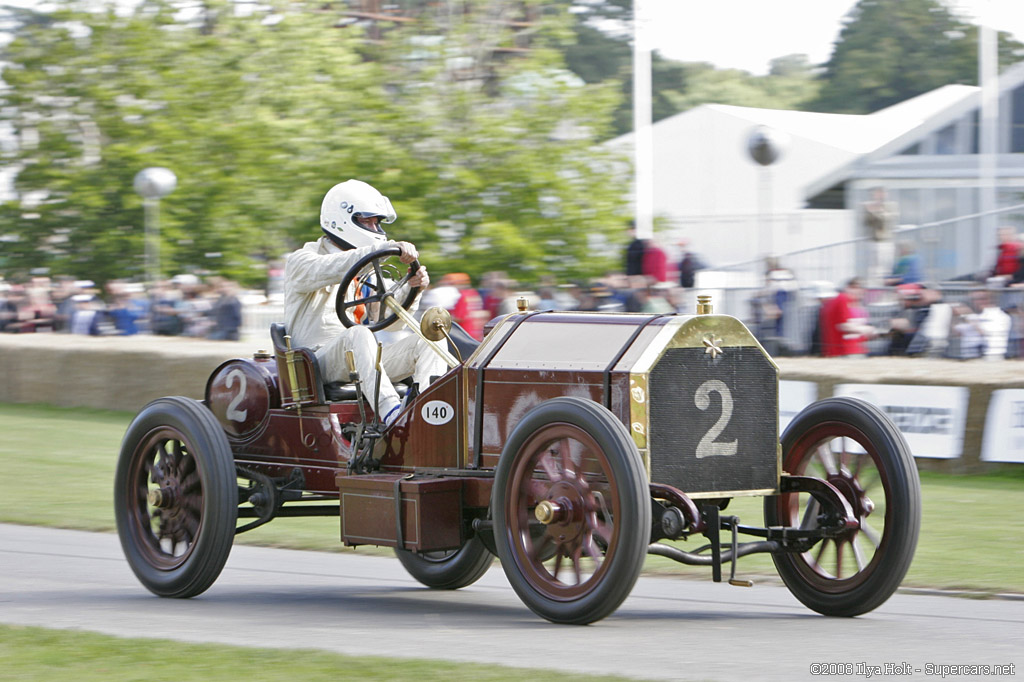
[
  {"x": 460, "y": 339},
  {"x": 300, "y": 378},
  {"x": 298, "y": 372}
]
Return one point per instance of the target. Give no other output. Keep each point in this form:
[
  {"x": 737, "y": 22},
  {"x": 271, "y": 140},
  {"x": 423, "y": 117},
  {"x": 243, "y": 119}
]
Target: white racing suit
[{"x": 312, "y": 276}]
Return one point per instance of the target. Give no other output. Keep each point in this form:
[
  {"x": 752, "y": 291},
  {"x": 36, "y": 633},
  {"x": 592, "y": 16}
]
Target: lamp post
[
  {"x": 765, "y": 145},
  {"x": 152, "y": 184}
]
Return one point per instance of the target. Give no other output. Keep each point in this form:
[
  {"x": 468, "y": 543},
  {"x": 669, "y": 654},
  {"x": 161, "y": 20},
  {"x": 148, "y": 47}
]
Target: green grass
[
  {"x": 58, "y": 470},
  {"x": 45, "y": 655}
]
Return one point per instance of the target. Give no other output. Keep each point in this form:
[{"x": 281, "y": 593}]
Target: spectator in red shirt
[
  {"x": 655, "y": 262},
  {"x": 844, "y": 327},
  {"x": 468, "y": 310},
  {"x": 1008, "y": 253}
]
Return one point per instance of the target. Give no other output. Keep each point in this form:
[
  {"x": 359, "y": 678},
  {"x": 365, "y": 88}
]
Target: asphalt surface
[{"x": 669, "y": 629}]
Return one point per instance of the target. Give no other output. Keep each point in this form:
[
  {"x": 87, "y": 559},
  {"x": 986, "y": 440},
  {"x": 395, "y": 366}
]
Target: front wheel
[
  {"x": 572, "y": 514},
  {"x": 448, "y": 570},
  {"x": 176, "y": 497},
  {"x": 854, "y": 446}
]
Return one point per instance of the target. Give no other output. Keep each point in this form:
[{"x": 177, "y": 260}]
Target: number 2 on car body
[
  {"x": 708, "y": 445},
  {"x": 233, "y": 413}
]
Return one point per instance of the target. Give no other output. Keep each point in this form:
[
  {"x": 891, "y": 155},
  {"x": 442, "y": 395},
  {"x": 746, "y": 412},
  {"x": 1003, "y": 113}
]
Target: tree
[
  {"x": 601, "y": 52},
  {"x": 892, "y": 50},
  {"x": 259, "y": 114}
]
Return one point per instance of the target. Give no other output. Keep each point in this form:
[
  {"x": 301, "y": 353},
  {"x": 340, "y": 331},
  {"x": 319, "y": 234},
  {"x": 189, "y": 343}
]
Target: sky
[{"x": 750, "y": 33}]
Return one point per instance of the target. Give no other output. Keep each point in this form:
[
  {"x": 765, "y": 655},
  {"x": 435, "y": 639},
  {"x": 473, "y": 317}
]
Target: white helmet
[{"x": 343, "y": 209}]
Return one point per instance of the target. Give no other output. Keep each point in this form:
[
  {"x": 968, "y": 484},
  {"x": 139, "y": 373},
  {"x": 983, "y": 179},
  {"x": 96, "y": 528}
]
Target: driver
[{"x": 350, "y": 216}]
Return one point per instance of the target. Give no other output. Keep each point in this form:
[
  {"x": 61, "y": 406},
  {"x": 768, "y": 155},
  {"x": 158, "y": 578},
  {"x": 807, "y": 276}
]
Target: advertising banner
[
  {"x": 931, "y": 418},
  {"x": 793, "y": 397},
  {"x": 1003, "y": 439}
]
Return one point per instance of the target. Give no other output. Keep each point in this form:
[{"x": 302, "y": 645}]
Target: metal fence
[{"x": 948, "y": 250}]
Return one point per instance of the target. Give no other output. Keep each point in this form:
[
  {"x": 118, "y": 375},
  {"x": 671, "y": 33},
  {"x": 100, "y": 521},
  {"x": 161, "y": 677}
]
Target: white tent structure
[{"x": 711, "y": 192}]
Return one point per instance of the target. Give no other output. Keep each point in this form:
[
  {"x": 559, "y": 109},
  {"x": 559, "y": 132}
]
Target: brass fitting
[{"x": 546, "y": 511}]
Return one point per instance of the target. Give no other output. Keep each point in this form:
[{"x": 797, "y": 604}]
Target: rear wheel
[
  {"x": 856, "y": 448},
  {"x": 176, "y": 497},
  {"x": 572, "y": 514},
  {"x": 448, "y": 570}
]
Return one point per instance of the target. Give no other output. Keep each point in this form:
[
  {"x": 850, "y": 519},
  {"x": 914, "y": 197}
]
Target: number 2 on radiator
[{"x": 708, "y": 445}]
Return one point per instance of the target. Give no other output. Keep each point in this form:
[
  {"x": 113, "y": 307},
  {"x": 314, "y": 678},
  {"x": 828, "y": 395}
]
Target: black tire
[
  {"x": 602, "y": 521},
  {"x": 879, "y": 479},
  {"x": 448, "y": 570},
  {"x": 176, "y": 543}
]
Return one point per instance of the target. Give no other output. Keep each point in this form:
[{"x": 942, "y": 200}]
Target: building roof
[
  {"x": 823, "y": 149},
  {"x": 855, "y": 133}
]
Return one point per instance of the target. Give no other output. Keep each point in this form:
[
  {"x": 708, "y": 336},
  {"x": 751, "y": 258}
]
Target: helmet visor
[{"x": 371, "y": 222}]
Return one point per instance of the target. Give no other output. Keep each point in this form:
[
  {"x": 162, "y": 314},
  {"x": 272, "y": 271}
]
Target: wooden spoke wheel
[
  {"x": 572, "y": 515},
  {"x": 855, "y": 447},
  {"x": 176, "y": 497}
]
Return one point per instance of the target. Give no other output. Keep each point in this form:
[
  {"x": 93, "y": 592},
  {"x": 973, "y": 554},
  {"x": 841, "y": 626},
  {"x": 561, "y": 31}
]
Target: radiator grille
[{"x": 714, "y": 422}]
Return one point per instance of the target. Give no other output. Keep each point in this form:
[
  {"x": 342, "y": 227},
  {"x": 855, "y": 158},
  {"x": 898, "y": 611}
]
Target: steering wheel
[{"x": 372, "y": 279}]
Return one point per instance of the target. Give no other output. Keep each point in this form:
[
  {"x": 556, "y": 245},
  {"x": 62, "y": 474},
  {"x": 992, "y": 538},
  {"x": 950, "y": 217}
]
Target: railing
[{"x": 948, "y": 250}]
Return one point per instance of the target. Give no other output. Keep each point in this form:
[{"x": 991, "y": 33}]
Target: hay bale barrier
[{"x": 117, "y": 372}]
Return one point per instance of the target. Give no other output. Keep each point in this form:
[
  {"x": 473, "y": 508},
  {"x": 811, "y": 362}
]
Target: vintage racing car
[{"x": 568, "y": 444}]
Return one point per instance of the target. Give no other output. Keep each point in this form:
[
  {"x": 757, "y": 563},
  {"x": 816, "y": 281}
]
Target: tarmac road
[{"x": 670, "y": 629}]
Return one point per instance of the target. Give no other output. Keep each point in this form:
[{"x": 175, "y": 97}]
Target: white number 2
[
  {"x": 233, "y": 413},
  {"x": 708, "y": 446}
]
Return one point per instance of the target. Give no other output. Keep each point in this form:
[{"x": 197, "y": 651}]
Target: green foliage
[
  {"x": 258, "y": 115},
  {"x": 701, "y": 83},
  {"x": 892, "y": 50}
]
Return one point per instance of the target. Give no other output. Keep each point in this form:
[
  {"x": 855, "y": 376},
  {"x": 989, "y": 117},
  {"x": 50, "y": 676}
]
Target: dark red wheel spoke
[
  {"x": 860, "y": 462},
  {"x": 858, "y": 554},
  {"x": 166, "y": 463},
  {"x": 870, "y": 533},
  {"x": 839, "y": 558},
  {"x": 604, "y": 530},
  {"x": 811, "y": 511},
  {"x": 822, "y": 546},
  {"x": 536, "y": 550},
  {"x": 827, "y": 458},
  {"x": 577, "y": 569},
  {"x": 191, "y": 483},
  {"x": 155, "y": 473},
  {"x": 590, "y": 547},
  {"x": 548, "y": 465},
  {"x": 537, "y": 490},
  {"x": 559, "y": 555},
  {"x": 565, "y": 450}
]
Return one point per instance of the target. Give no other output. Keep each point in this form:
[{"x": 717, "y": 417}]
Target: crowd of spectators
[
  {"x": 902, "y": 316},
  {"x": 182, "y": 306},
  {"x": 984, "y": 320}
]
